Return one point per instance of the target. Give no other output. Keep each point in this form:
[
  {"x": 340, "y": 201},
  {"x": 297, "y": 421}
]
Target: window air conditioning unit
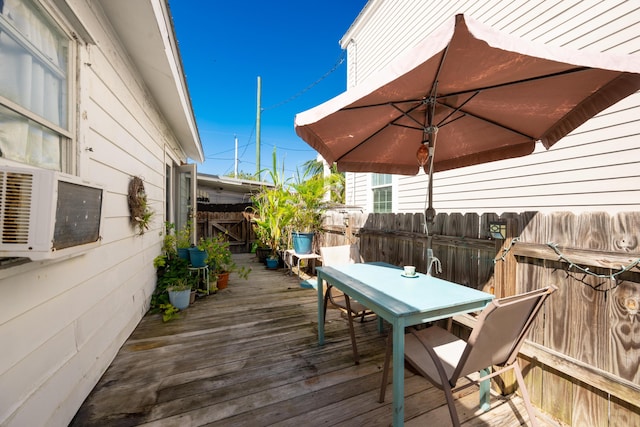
[{"x": 47, "y": 214}]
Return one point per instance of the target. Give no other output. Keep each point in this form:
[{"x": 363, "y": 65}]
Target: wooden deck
[{"x": 248, "y": 356}]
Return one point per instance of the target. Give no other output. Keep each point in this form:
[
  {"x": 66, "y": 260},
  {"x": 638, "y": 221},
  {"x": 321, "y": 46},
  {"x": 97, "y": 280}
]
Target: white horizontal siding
[
  {"x": 591, "y": 169},
  {"x": 62, "y": 322},
  {"x": 53, "y": 341},
  {"x": 357, "y": 185}
]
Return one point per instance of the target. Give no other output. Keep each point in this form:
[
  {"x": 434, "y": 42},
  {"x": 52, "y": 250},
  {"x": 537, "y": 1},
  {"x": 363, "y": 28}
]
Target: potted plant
[
  {"x": 170, "y": 271},
  {"x": 198, "y": 255},
  {"x": 179, "y": 293},
  {"x": 272, "y": 214},
  {"x": 261, "y": 247},
  {"x": 307, "y": 203},
  {"x": 220, "y": 260},
  {"x": 168, "y": 242}
]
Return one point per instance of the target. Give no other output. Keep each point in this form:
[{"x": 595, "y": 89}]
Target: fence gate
[{"x": 228, "y": 219}]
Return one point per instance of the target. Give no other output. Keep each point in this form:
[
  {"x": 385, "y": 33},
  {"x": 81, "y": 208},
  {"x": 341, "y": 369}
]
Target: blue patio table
[{"x": 402, "y": 302}]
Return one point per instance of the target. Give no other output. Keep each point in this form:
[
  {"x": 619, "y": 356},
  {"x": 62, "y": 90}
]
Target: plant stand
[
  {"x": 203, "y": 275},
  {"x": 290, "y": 255}
]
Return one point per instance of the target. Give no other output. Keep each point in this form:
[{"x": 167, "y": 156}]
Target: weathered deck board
[{"x": 248, "y": 356}]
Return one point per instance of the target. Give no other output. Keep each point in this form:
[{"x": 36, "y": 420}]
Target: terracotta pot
[{"x": 223, "y": 280}]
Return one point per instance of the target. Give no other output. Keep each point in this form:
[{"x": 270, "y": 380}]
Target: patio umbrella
[{"x": 467, "y": 94}]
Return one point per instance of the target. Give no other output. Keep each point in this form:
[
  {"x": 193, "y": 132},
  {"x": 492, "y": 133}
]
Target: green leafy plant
[
  {"x": 180, "y": 284},
  {"x": 279, "y": 210},
  {"x": 308, "y": 204},
  {"x": 169, "y": 243},
  {"x": 169, "y": 312},
  {"x": 183, "y": 236},
  {"x": 168, "y": 247},
  {"x": 171, "y": 272},
  {"x": 272, "y": 214},
  {"x": 219, "y": 256}
]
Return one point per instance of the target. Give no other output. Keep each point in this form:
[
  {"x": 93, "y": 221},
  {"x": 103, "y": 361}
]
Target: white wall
[
  {"x": 356, "y": 185},
  {"x": 592, "y": 169},
  {"x": 62, "y": 322}
]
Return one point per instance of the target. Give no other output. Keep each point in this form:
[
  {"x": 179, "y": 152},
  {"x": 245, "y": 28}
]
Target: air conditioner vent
[
  {"x": 46, "y": 214},
  {"x": 15, "y": 198}
]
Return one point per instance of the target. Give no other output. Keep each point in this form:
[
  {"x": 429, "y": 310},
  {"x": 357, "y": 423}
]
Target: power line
[
  {"x": 337, "y": 64},
  {"x": 248, "y": 140},
  {"x": 339, "y": 61}
]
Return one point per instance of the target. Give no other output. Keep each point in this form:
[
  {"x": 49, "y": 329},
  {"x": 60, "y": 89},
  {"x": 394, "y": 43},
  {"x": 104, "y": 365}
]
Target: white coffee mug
[{"x": 409, "y": 270}]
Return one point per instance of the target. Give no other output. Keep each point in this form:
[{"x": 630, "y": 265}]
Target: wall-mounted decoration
[{"x": 139, "y": 209}]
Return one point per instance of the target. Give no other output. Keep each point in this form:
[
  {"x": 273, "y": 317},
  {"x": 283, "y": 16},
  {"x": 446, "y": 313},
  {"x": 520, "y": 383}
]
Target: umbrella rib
[
  {"x": 385, "y": 104},
  {"x": 466, "y": 113},
  {"x": 406, "y": 114},
  {"x": 455, "y": 110},
  {"x": 477, "y": 91},
  {"x": 516, "y": 82},
  {"x": 391, "y": 123}
]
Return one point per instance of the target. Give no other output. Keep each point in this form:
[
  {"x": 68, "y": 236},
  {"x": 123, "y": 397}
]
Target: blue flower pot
[
  {"x": 183, "y": 253},
  {"x": 303, "y": 243},
  {"x": 197, "y": 257},
  {"x": 272, "y": 263},
  {"x": 180, "y": 299}
]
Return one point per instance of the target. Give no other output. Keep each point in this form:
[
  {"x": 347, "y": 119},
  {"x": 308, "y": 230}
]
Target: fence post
[
  {"x": 505, "y": 263},
  {"x": 505, "y": 285}
]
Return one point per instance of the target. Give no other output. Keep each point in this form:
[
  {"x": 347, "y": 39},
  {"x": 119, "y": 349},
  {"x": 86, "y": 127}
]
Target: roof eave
[{"x": 146, "y": 30}]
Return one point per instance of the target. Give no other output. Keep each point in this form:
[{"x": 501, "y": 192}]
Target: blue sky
[{"x": 226, "y": 45}]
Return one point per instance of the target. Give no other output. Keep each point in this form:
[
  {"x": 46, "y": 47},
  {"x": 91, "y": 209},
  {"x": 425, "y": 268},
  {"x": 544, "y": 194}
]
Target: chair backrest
[
  {"x": 500, "y": 331},
  {"x": 340, "y": 255}
]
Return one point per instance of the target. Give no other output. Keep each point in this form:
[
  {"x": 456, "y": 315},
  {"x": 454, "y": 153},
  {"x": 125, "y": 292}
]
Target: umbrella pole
[
  {"x": 429, "y": 218},
  {"x": 430, "y": 212}
]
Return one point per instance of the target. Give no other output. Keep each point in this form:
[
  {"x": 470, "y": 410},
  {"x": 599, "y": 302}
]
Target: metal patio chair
[
  {"x": 340, "y": 255},
  {"x": 443, "y": 358}
]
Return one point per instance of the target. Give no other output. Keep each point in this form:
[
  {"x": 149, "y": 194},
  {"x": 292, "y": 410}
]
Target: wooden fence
[
  {"x": 582, "y": 359},
  {"x": 213, "y": 219}
]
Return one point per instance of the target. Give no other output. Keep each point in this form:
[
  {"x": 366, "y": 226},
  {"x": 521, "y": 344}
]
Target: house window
[
  {"x": 34, "y": 87},
  {"x": 381, "y": 186}
]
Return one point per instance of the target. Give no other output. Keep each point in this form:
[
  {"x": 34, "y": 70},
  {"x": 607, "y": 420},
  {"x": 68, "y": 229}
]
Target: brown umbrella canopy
[{"x": 490, "y": 96}]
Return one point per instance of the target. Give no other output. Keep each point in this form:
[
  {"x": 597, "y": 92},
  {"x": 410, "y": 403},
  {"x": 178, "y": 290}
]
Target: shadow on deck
[{"x": 248, "y": 356}]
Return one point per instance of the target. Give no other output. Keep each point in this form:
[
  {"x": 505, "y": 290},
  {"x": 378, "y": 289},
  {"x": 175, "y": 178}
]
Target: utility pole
[
  {"x": 258, "y": 114},
  {"x": 235, "y": 166}
]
